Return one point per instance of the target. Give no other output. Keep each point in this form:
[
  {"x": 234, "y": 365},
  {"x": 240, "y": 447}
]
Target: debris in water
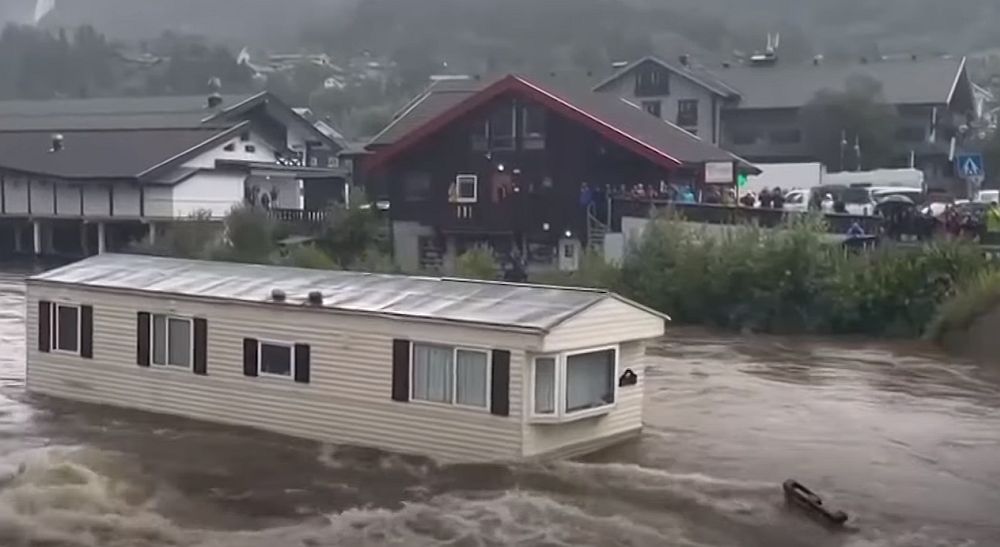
[{"x": 804, "y": 499}]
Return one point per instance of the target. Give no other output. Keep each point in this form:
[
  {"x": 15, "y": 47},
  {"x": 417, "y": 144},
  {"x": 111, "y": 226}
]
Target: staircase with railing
[{"x": 596, "y": 230}]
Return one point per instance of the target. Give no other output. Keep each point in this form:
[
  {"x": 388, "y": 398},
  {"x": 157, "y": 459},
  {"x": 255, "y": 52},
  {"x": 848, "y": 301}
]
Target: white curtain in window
[
  {"x": 589, "y": 378},
  {"x": 470, "y": 381},
  {"x": 180, "y": 342},
  {"x": 159, "y": 340},
  {"x": 432, "y": 373},
  {"x": 545, "y": 385}
]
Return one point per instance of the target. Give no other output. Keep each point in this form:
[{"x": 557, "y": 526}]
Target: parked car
[{"x": 862, "y": 199}]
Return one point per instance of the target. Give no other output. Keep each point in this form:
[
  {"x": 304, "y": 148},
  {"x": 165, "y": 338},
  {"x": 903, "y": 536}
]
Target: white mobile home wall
[{"x": 348, "y": 400}]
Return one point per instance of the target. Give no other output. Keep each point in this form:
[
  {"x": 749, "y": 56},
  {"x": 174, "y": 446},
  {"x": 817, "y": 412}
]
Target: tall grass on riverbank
[
  {"x": 793, "y": 280},
  {"x": 975, "y": 298}
]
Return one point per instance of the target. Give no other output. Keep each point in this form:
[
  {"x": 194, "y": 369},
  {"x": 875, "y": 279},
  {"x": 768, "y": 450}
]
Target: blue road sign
[{"x": 970, "y": 166}]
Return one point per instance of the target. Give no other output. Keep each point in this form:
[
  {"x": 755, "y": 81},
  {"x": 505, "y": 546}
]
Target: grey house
[{"x": 753, "y": 110}]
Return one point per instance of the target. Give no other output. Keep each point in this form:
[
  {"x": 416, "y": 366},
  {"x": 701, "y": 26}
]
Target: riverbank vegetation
[
  {"x": 793, "y": 280},
  {"x": 790, "y": 281},
  {"x": 349, "y": 239}
]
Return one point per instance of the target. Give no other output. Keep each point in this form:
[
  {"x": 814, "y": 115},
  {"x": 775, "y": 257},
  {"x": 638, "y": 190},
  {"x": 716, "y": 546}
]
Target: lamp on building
[
  {"x": 545, "y": 227},
  {"x": 569, "y": 234}
]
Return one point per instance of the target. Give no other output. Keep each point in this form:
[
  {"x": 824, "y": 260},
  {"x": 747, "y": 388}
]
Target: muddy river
[{"x": 902, "y": 438}]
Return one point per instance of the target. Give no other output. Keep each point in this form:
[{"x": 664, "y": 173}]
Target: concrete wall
[
  {"x": 126, "y": 199},
  {"x": 215, "y": 192},
  {"x": 406, "y": 243},
  {"x": 159, "y": 201},
  {"x": 15, "y": 195},
  {"x": 96, "y": 200},
  {"x": 42, "y": 202}
]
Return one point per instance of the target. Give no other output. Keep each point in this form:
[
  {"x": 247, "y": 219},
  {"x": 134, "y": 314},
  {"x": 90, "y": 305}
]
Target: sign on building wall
[{"x": 719, "y": 172}]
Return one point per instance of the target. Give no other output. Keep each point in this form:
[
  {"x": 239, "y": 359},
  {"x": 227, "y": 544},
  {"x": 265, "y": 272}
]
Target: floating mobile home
[{"x": 453, "y": 369}]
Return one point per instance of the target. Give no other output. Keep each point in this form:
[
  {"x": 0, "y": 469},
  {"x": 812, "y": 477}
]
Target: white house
[
  {"x": 453, "y": 369},
  {"x": 89, "y": 175}
]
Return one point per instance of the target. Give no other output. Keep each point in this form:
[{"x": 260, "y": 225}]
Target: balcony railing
[
  {"x": 300, "y": 215},
  {"x": 727, "y": 214}
]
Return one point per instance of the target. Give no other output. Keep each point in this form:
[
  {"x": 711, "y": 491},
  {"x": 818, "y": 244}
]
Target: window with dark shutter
[
  {"x": 87, "y": 332},
  {"x": 250, "y": 357},
  {"x": 302, "y": 363},
  {"x": 142, "y": 339},
  {"x": 44, "y": 326},
  {"x": 401, "y": 370},
  {"x": 201, "y": 346},
  {"x": 500, "y": 384}
]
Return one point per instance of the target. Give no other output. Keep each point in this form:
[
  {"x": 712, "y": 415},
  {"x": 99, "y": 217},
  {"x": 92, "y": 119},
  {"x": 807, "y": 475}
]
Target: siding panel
[
  {"x": 607, "y": 322},
  {"x": 347, "y": 401}
]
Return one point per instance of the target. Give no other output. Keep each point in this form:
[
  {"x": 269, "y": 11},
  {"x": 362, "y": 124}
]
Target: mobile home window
[
  {"x": 447, "y": 375},
  {"x": 590, "y": 380},
  {"x": 66, "y": 328},
  {"x": 572, "y": 385},
  {"x": 172, "y": 341},
  {"x": 275, "y": 359},
  {"x": 545, "y": 385}
]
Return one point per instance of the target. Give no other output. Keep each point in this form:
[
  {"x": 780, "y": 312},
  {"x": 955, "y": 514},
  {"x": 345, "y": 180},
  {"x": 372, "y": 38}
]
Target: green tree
[{"x": 853, "y": 128}]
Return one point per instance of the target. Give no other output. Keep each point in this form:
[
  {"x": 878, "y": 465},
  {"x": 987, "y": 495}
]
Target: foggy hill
[{"x": 516, "y": 27}]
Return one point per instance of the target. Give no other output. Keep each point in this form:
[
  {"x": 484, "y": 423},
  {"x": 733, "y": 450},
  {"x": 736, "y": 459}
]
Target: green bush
[
  {"x": 250, "y": 234},
  {"x": 477, "y": 263},
  {"x": 974, "y": 298},
  {"x": 594, "y": 272},
  {"x": 792, "y": 280},
  {"x": 308, "y": 256}
]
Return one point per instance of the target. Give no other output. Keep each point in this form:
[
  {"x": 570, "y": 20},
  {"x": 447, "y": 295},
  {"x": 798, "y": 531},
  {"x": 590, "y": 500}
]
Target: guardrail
[
  {"x": 300, "y": 215},
  {"x": 729, "y": 214}
]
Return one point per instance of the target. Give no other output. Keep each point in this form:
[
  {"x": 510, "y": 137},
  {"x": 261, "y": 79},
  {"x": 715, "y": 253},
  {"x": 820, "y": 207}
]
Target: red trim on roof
[{"x": 523, "y": 87}]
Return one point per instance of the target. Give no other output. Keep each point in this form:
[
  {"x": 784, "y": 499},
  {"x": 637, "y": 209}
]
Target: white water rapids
[{"x": 898, "y": 436}]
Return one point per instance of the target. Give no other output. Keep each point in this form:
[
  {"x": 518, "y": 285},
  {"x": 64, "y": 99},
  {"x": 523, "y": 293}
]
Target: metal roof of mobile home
[{"x": 428, "y": 298}]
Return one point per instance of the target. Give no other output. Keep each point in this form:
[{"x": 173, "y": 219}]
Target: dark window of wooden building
[
  {"x": 911, "y": 134},
  {"x": 652, "y": 81},
  {"x": 744, "y": 136},
  {"x": 687, "y": 113},
  {"x": 786, "y": 136},
  {"x": 653, "y": 107},
  {"x": 533, "y": 127},
  {"x": 416, "y": 186},
  {"x": 502, "y": 124},
  {"x": 480, "y": 138}
]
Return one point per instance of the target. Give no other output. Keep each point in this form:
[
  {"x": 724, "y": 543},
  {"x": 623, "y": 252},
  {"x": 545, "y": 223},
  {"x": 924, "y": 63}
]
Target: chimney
[
  {"x": 57, "y": 142},
  {"x": 215, "y": 100},
  {"x": 278, "y": 295},
  {"x": 913, "y": 57},
  {"x": 817, "y": 60},
  {"x": 726, "y": 64},
  {"x": 685, "y": 60},
  {"x": 315, "y": 298}
]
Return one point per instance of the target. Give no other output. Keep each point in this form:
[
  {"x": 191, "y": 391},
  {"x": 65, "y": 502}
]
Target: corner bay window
[
  {"x": 447, "y": 375},
  {"x": 576, "y": 384}
]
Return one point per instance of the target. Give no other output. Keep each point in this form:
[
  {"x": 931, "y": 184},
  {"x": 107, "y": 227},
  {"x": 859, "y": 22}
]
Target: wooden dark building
[{"x": 523, "y": 165}]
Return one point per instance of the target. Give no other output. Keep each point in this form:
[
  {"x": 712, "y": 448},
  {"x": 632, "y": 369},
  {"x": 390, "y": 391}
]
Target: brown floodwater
[{"x": 904, "y": 439}]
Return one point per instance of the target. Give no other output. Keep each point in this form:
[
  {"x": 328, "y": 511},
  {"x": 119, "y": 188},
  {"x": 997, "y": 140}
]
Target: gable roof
[
  {"x": 105, "y": 154},
  {"x": 289, "y": 114},
  {"x": 612, "y": 117},
  {"x": 697, "y": 74},
  {"x": 930, "y": 80},
  {"x": 506, "y": 305},
  {"x": 119, "y": 113},
  {"x": 904, "y": 82}
]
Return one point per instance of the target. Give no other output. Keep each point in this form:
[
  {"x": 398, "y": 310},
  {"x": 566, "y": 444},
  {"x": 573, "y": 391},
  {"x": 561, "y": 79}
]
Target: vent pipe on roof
[
  {"x": 215, "y": 100},
  {"x": 685, "y": 60},
  {"x": 278, "y": 295},
  {"x": 57, "y": 142},
  {"x": 315, "y": 298}
]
